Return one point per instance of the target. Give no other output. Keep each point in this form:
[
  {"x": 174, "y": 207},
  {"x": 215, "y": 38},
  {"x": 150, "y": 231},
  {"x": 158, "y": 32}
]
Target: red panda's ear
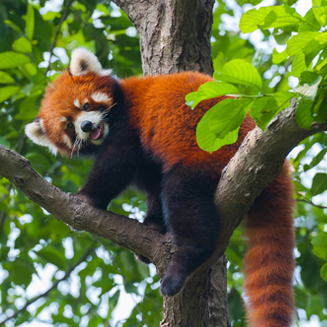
[
  {"x": 84, "y": 61},
  {"x": 36, "y": 133}
]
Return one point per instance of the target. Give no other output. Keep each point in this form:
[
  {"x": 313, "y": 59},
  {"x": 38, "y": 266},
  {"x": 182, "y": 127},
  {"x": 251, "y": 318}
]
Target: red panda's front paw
[
  {"x": 84, "y": 198},
  {"x": 92, "y": 201}
]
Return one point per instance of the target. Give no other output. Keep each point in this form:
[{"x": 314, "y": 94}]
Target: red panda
[{"x": 142, "y": 132}]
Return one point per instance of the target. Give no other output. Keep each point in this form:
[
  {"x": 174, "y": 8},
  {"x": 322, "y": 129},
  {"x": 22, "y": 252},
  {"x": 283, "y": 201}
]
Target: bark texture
[{"x": 174, "y": 35}]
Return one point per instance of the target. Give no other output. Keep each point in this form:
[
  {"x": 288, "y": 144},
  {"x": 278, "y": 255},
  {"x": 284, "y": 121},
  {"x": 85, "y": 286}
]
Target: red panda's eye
[
  {"x": 86, "y": 106},
  {"x": 70, "y": 125}
]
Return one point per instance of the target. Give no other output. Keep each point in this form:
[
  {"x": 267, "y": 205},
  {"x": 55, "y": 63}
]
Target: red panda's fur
[{"x": 171, "y": 169}]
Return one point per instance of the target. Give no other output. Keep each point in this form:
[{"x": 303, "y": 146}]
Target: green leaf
[
  {"x": 278, "y": 57},
  {"x": 209, "y": 90},
  {"x": 297, "y": 42},
  {"x": 310, "y": 22},
  {"x": 219, "y": 125},
  {"x": 219, "y": 61},
  {"x": 320, "y": 245},
  {"x": 298, "y": 64},
  {"x": 11, "y": 59},
  {"x": 315, "y": 160},
  {"x": 22, "y": 45},
  {"x": 301, "y": 298},
  {"x": 263, "y": 110},
  {"x": 27, "y": 108},
  {"x": 303, "y": 114},
  {"x": 30, "y": 22},
  {"x": 319, "y": 108},
  {"x": 267, "y": 17},
  {"x": 320, "y": 14},
  {"x": 239, "y": 71},
  {"x": 6, "y": 78},
  {"x": 319, "y": 184},
  {"x": 309, "y": 90},
  {"x": 31, "y": 69},
  {"x": 7, "y": 92},
  {"x": 50, "y": 254},
  {"x": 323, "y": 271}
]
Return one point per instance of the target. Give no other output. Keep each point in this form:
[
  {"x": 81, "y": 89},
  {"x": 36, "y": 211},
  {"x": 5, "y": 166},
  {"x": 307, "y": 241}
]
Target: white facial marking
[
  {"x": 101, "y": 97},
  {"x": 76, "y": 103},
  {"x": 95, "y": 117},
  {"x": 67, "y": 141},
  {"x": 63, "y": 119},
  {"x": 36, "y": 133},
  {"x": 84, "y": 61}
]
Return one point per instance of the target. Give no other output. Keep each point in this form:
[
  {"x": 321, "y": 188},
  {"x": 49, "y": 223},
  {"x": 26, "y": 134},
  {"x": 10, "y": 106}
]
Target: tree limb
[
  {"x": 258, "y": 162},
  {"x": 124, "y": 231}
]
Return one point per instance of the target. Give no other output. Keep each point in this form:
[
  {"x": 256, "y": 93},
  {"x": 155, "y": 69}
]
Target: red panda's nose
[{"x": 86, "y": 126}]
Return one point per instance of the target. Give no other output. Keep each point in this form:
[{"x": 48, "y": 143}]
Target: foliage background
[{"x": 88, "y": 276}]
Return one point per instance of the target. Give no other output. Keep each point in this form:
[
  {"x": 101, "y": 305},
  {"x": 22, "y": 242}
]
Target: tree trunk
[{"x": 175, "y": 36}]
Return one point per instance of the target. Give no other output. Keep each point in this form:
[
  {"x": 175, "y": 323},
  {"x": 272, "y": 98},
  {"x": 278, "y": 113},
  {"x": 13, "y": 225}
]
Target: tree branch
[
  {"x": 67, "y": 274},
  {"x": 311, "y": 203},
  {"x": 258, "y": 162},
  {"x": 126, "y": 232}
]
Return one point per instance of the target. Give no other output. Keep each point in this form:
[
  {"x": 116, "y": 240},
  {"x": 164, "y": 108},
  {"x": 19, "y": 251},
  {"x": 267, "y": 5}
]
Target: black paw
[
  {"x": 142, "y": 258},
  {"x": 171, "y": 285},
  {"x": 92, "y": 201}
]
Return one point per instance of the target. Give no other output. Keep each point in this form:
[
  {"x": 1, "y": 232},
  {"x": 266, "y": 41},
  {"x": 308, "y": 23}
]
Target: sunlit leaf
[
  {"x": 299, "y": 41},
  {"x": 22, "y": 45},
  {"x": 239, "y": 71},
  {"x": 6, "y": 78},
  {"x": 210, "y": 90},
  {"x": 278, "y": 57},
  {"x": 8, "y": 91},
  {"x": 219, "y": 126},
  {"x": 267, "y": 17},
  {"x": 10, "y": 59},
  {"x": 323, "y": 271},
  {"x": 30, "y": 22}
]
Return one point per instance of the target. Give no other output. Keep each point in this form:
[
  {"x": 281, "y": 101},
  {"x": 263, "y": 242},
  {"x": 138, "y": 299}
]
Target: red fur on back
[{"x": 167, "y": 126}]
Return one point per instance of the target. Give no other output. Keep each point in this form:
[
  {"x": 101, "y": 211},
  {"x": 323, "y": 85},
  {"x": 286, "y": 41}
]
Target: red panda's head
[{"x": 74, "y": 114}]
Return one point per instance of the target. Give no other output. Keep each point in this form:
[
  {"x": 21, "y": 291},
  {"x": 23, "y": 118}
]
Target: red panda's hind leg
[{"x": 192, "y": 219}]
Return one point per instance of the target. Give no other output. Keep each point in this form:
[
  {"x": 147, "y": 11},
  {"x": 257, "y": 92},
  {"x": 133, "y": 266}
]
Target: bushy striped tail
[{"x": 269, "y": 262}]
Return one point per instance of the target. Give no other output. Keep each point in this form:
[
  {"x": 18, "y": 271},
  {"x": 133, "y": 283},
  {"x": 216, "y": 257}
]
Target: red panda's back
[{"x": 167, "y": 126}]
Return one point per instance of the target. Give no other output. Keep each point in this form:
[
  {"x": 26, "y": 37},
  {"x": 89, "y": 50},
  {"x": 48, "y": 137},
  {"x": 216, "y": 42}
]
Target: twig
[
  {"x": 69, "y": 271},
  {"x": 63, "y": 18},
  {"x": 313, "y": 204}
]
